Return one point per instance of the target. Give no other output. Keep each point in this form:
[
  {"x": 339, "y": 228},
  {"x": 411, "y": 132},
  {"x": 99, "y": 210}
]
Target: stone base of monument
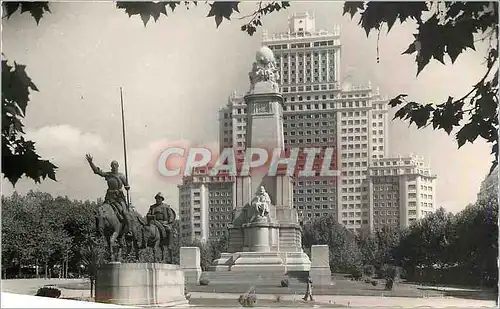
[
  {"x": 190, "y": 264},
  {"x": 140, "y": 284},
  {"x": 264, "y": 246},
  {"x": 320, "y": 276},
  {"x": 276, "y": 262},
  {"x": 320, "y": 265}
]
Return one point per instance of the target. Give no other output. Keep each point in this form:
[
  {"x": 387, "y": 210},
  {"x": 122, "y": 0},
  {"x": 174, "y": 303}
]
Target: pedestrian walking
[{"x": 309, "y": 290}]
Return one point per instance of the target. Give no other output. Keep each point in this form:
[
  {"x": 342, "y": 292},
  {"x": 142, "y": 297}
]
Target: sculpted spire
[{"x": 264, "y": 70}]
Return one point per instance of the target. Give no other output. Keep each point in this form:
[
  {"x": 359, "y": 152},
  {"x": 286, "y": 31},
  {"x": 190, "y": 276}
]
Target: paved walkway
[
  {"x": 370, "y": 301},
  {"x": 23, "y": 286},
  {"x": 30, "y": 286}
]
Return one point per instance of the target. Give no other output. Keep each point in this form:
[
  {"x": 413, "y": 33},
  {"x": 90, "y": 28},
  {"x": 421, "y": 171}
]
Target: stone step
[{"x": 227, "y": 277}]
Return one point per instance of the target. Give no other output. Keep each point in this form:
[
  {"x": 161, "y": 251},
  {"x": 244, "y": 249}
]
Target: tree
[
  {"x": 368, "y": 245},
  {"x": 344, "y": 252},
  {"x": 93, "y": 254},
  {"x": 427, "y": 244},
  {"x": 445, "y": 28},
  {"x": 38, "y": 229},
  {"x": 19, "y": 157},
  {"x": 475, "y": 246},
  {"x": 387, "y": 239},
  {"x": 217, "y": 246}
]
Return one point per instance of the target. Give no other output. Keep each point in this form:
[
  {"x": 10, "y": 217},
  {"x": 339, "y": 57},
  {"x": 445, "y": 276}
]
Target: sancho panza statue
[{"x": 163, "y": 216}]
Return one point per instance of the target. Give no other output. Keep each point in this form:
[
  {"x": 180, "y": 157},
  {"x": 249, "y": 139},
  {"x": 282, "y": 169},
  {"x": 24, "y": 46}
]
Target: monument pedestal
[
  {"x": 190, "y": 264},
  {"x": 264, "y": 246},
  {"x": 320, "y": 272},
  {"x": 140, "y": 284}
]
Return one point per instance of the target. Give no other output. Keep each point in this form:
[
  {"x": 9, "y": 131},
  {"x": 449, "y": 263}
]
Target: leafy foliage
[
  {"x": 18, "y": 154},
  {"x": 48, "y": 291},
  {"x": 441, "y": 248},
  {"x": 248, "y": 299},
  {"x": 38, "y": 229},
  {"x": 210, "y": 250},
  {"x": 219, "y": 10},
  {"x": 345, "y": 255},
  {"x": 255, "y": 18},
  {"x": 450, "y": 29},
  {"x": 36, "y": 9},
  {"x": 204, "y": 281}
]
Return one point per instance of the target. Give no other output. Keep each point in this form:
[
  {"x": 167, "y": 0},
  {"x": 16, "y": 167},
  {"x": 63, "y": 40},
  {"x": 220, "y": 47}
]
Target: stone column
[
  {"x": 320, "y": 265},
  {"x": 190, "y": 264}
]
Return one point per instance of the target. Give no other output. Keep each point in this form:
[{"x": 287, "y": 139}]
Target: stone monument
[
  {"x": 265, "y": 235},
  {"x": 135, "y": 284}
]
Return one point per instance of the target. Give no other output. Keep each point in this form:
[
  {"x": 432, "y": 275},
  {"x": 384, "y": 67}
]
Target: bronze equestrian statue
[
  {"x": 113, "y": 216},
  {"x": 156, "y": 231}
]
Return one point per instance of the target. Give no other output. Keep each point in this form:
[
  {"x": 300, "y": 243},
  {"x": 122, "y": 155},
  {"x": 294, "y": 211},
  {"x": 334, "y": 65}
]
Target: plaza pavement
[
  {"x": 368, "y": 301},
  {"x": 29, "y": 286}
]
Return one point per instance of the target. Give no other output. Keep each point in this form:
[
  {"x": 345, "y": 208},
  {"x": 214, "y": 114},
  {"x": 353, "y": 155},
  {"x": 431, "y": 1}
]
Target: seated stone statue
[
  {"x": 261, "y": 203},
  {"x": 258, "y": 209}
]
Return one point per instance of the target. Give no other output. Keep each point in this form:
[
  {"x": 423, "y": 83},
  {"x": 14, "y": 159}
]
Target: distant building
[
  {"x": 489, "y": 186},
  {"x": 399, "y": 190},
  {"x": 205, "y": 205}
]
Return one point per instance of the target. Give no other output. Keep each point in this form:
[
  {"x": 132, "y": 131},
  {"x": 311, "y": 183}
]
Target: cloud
[{"x": 65, "y": 145}]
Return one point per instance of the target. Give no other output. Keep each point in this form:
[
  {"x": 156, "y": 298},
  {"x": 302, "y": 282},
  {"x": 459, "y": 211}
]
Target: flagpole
[{"x": 124, "y": 146}]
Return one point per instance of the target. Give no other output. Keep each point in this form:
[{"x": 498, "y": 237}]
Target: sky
[{"x": 178, "y": 72}]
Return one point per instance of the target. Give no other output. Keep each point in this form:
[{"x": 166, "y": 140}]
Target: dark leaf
[
  {"x": 11, "y": 7},
  {"x": 397, "y": 100},
  {"x": 411, "y": 49},
  {"x": 173, "y": 4},
  {"x": 494, "y": 152},
  {"x": 220, "y": 10},
  {"x": 352, "y": 7},
  {"x": 468, "y": 132},
  {"x": 421, "y": 115},
  {"x": 448, "y": 115},
  {"x": 145, "y": 18},
  {"x": 36, "y": 9}
]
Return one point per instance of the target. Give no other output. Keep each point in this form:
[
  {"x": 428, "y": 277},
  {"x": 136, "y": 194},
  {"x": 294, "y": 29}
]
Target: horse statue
[
  {"x": 148, "y": 235},
  {"x": 109, "y": 226}
]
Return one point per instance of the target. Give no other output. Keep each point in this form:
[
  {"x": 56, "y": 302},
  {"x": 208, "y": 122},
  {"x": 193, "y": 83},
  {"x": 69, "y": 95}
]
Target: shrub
[
  {"x": 248, "y": 299},
  {"x": 204, "y": 281},
  {"x": 356, "y": 274},
  {"x": 369, "y": 270},
  {"x": 374, "y": 282},
  {"x": 49, "y": 291},
  {"x": 284, "y": 283}
]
